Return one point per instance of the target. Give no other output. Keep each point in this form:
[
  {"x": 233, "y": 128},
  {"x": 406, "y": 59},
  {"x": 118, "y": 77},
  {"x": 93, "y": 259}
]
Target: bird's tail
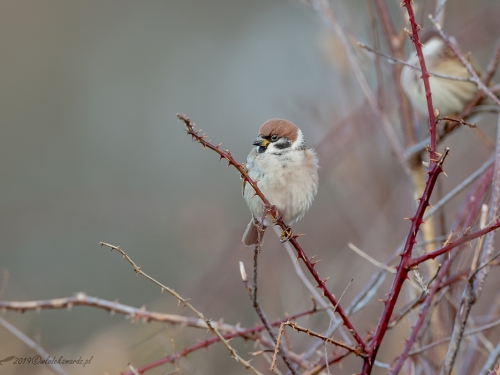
[{"x": 251, "y": 235}]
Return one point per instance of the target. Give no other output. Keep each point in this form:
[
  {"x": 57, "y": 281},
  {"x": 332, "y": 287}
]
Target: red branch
[
  {"x": 421, "y": 318},
  {"x": 402, "y": 270},
  {"x": 274, "y": 214},
  {"x": 466, "y": 238},
  {"x": 425, "y": 76},
  {"x": 245, "y": 333}
]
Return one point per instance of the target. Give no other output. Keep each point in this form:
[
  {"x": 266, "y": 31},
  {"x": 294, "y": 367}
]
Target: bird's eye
[{"x": 274, "y": 138}]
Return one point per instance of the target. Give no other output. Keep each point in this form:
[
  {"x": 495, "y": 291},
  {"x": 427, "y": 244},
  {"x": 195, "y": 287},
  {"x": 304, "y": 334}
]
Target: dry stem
[{"x": 185, "y": 302}]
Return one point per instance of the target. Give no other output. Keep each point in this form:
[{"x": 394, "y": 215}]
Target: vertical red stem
[
  {"x": 402, "y": 270},
  {"x": 425, "y": 77}
]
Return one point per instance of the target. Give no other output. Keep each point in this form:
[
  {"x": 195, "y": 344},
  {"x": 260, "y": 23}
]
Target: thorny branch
[
  {"x": 407, "y": 261},
  {"x": 402, "y": 270},
  {"x": 132, "y": 313},
  {"x": 415, "y": 28},
  {"x": 275, "y": 217},
  {"x": 476, "y": 280},
  {"x": 247, "y": 333},
  {"x": 340, "y": 344},
  {"x": 474, "y": 76},
  {"x": 185, "y": 302},
  {"x": 54, "y": 367},
  {"x": 260, "y": 311}
]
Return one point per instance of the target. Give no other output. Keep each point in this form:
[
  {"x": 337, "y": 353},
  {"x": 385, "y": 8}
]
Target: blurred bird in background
[{"x": 448, "y": 96}]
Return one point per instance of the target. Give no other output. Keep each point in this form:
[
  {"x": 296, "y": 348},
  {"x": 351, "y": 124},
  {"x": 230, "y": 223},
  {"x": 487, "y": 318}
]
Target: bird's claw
[
  {"x": 286, "y": 235},
  {"x": 274, "y": 213}
]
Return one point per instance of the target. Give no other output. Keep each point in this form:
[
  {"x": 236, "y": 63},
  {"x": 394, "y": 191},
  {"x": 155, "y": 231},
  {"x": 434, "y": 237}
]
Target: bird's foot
[
  {"x": 274, "y": 213},
  {"x": 286, "y": 234}
]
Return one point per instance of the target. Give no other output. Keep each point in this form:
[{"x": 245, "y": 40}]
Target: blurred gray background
[{"x": 91, "y": 150}]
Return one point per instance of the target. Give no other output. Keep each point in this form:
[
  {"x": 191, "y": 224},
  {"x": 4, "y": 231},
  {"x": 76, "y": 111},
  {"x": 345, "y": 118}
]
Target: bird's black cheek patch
[{"x": 283, "y": 145}]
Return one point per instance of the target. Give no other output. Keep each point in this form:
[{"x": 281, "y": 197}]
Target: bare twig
[
  {"x": 317, "y": 297},
  {"x": 458, "y": 121},
  {"x": 341, "y": 344},
  {"x": 489, "y": 366},
  {"x": 132, "y": 313},
  {"x": 440, "y": 8},
  {"x": 460, "y": 187},
  {"x": 324, "y": 10},
  {"x": 54, "y": 367},
  {"x": 392, "y": 60},
  {"x": 425, "y": 76},
  {"x": 421, "y": 318},
  {"x": 185, "y": 302},
  {"x": 475, "y": 283},
  {"x": 247, "y": 333},
  {"x": 475, "y": 78},
  {"x": 465, "y": 238},
  {"x": 403, "y": 269},
  {"x": 447, "y": 339},
  {"x": 273, "y": 213},
  {"x": 262, "y": 315},
  {"x": 492, "y": 215},
  {"x": 370, "y": 259}
]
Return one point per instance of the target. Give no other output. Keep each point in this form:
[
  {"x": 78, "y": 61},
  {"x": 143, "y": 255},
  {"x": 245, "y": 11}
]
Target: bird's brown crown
[{"x": 279, "y": 127}]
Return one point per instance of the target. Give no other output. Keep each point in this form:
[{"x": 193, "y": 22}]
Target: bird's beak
[{"x": 259, "y": 141}]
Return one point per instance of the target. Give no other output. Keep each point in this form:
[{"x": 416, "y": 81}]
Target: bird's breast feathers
[{"x": 288, "y": 180}]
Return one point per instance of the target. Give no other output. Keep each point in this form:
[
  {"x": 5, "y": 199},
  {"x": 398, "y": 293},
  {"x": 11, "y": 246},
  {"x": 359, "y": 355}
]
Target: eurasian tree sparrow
[
  {"x": 285, "y": 171},
  {"x": 448, "y": 96}
]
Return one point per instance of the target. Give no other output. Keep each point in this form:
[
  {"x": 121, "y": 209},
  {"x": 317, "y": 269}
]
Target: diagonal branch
[
  {"x": 55, "y": 367},
  {"x": 341, "y": 344},
  {"x": 185, "y": 302},
  {"x": 465, "y": 238},
  {"x": 402, "y": 270},
  {"x": 474, "y": 76},
  {"x": 273, "y": 213},
  {"x": 247, "y": 333}
]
